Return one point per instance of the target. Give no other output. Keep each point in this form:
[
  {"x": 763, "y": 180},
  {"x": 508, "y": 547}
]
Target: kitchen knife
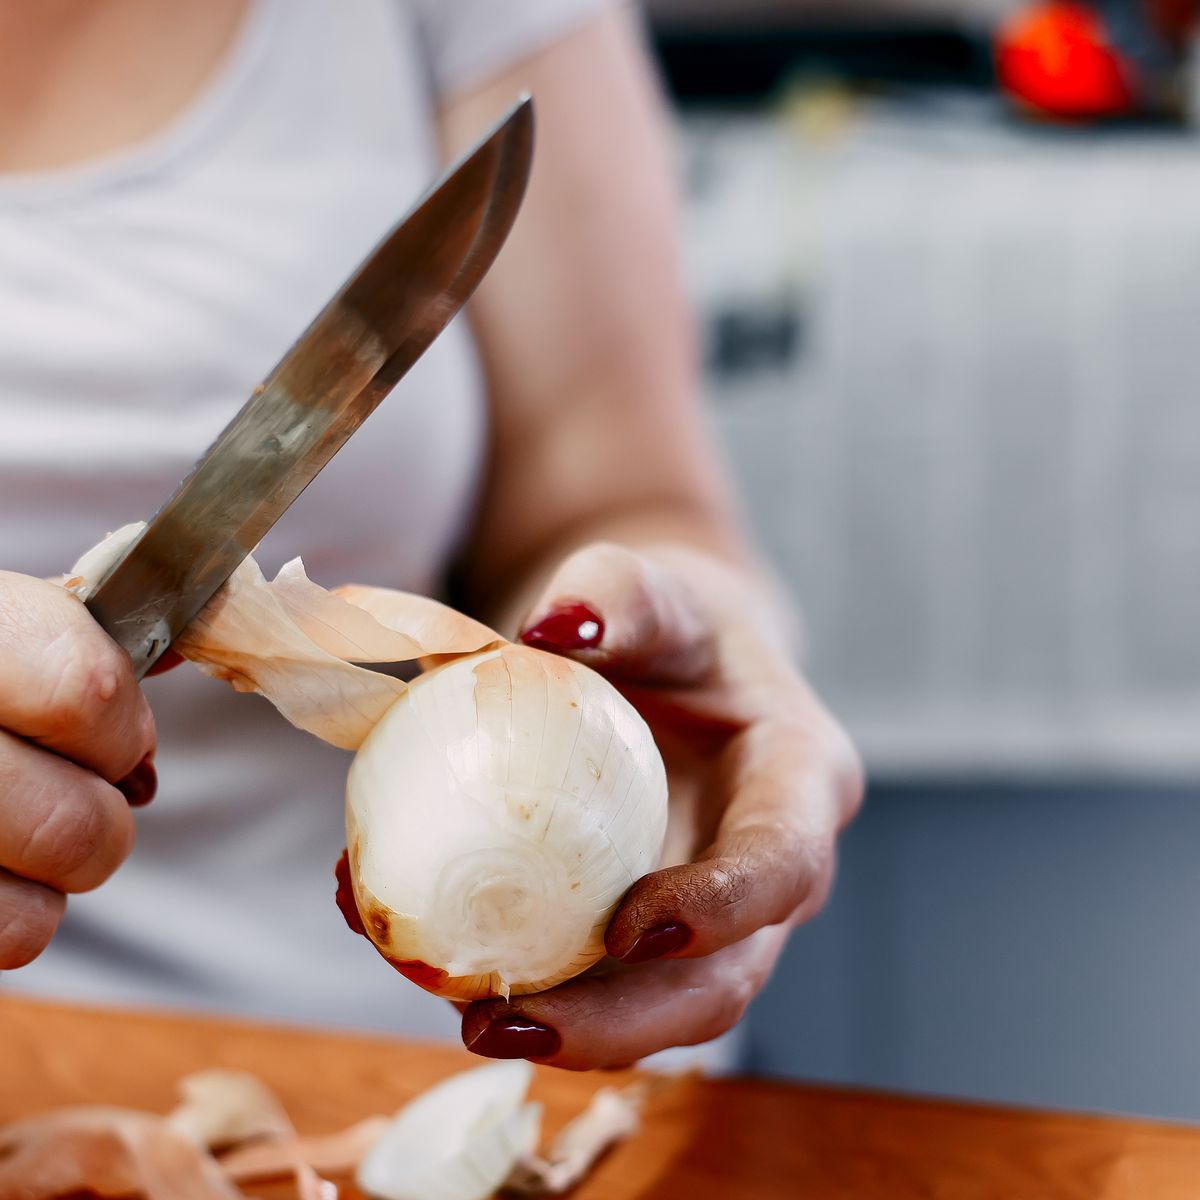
[{"x": 381, "y": 321}]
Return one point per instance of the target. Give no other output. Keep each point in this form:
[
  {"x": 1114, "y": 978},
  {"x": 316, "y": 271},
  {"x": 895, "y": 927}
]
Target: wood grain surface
[{"x": 703, "y": 1140}]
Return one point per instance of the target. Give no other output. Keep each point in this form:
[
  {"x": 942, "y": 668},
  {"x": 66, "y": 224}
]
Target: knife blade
[{"x": 354, "y": 352}]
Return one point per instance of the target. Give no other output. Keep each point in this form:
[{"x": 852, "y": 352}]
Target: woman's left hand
[{"x": 762, "y": 780}]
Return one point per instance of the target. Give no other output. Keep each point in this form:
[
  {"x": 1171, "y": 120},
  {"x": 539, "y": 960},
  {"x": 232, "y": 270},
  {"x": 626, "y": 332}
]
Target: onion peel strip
[
  {"x": 330, "y": 1154},
  {"x": 461, "y": 1139},
  {"x": 109, "y": 1152},
  {"x": 613, "y": 1115},
  {"x": 298, "y": 645}
]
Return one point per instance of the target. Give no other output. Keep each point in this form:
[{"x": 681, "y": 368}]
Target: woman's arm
[
  {"x": 606, "y": 531},
  {"x": 585, "y": 334}
]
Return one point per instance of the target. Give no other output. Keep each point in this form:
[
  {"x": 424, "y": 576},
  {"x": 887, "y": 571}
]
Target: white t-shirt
[{"x": 141, "y": 298}]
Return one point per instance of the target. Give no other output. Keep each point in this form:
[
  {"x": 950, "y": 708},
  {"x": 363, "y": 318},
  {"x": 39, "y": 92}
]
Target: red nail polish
[
  {"x": 344, "y": 896},
  {"x": 139, "y": 786},
  {"x": 167, "y": 660},
  {"x": 515, "y": 1037},
  {"x": 567, "y": 627},
  {"x": 658, "y": 942}
]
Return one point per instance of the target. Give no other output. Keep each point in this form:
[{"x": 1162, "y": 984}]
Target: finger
[
  {"x": 141, "y": 784},
  {"x": 65, "y": 684},
  {"x": 625, "y": 615},
  {"x": 59, "y": 824},
  {"x": 773, "y": 854},
  {"x": 612, "y": 1020},
  {"x": 29, "y": 915}
]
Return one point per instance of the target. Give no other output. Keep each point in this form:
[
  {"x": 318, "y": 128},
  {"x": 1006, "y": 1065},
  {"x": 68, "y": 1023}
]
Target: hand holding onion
[{"x": 761, "y": 781}]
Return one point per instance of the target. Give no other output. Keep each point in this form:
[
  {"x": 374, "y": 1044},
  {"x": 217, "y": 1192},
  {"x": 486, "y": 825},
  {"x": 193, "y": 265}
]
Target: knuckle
[
  {"x": 609, "y": 556},
  {"x": 623, "y": 567},
  {"x": 808, "y": 868},
  {"x": 33, "y": 609},
  {"x": 741, "y": 988},
  {"x": 792, "y": 863},
  {"x": 812, "y": 862},
  {"x": 852, "y": 781},
  {"x": 728, "y": 1008},
  {"x": 638, "y": 581},
  {"x": 77, "y": 843},
  {"x": 847, "y": 774},
  {"x": 146, "y": 737},
  {"x": 811, "y": 732},
  {"x": 28, "y": 920},
  {"x": 85, "y": 684},
  {"x": 724, "y": 888},
  {"x": 715, "y": 899},
  {"x": 833, "y": 747},
  {"x": 740, "y": 975}
]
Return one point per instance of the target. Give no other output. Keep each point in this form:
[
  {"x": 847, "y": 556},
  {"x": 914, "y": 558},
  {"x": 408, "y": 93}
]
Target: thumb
[{"x": 624, "y": 614}]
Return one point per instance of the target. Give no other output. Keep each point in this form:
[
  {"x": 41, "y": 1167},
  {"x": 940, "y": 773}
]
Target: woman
[{"x": 184, "y": 185}]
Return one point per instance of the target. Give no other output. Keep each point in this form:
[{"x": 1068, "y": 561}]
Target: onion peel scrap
[
  {"x": 463, "y": 1139},
  {"x": 298, "y": 644}
]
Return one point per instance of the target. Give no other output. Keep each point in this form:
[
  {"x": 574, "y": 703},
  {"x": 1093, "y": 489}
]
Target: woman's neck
[{"x": 80, "y": 79}]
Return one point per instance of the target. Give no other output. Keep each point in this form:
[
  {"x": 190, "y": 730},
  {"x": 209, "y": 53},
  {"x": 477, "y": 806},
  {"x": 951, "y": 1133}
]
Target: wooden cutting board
[{"x": 703, "y": 1140}]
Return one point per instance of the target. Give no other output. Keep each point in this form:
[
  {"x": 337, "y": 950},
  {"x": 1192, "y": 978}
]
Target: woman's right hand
[{"x": 76, "y": 750}]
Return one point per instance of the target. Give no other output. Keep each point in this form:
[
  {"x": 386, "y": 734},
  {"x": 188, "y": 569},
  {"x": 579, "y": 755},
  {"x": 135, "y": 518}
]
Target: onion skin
[{"x": 432, "y": 979}]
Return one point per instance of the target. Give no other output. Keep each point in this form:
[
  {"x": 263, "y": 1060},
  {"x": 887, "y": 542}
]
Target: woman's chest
[{"x": 138, "y": 313}]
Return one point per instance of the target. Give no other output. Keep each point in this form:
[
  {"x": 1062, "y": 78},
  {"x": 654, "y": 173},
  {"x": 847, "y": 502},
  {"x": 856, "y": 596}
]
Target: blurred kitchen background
[{"x": 954, "y": 355}]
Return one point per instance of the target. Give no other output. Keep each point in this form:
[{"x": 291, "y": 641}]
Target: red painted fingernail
[
  {"x": 139, "y": 786},
  {"x": 168, "y": 659},
  {"x": 657, "y": 942},
  {"x": 515, "y": 1037},
  {"x": 567, "y": 627},
  {"x": 343, "y": 897}
]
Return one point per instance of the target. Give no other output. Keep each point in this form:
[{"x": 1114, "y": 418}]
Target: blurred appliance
[
  {"x": 714, "y": 50},
  {"x": 1081, "y": 60}
]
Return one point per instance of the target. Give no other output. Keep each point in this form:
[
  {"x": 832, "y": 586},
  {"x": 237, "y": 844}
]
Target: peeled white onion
[
  {"x": 523, "y": 795},
  {"x": 498, "y": 807}
]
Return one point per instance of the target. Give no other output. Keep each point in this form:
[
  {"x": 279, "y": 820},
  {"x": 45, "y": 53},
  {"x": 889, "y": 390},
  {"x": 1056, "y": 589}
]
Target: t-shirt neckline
[{"x": 215, "y": 102}]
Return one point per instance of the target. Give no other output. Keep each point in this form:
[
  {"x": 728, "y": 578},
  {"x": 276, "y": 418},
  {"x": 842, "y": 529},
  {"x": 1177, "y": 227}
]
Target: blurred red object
[{"x": 1057, "y": 58}]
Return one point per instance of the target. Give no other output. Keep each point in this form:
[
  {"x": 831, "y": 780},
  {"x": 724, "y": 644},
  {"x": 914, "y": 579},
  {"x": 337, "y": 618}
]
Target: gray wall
[
  {"x": 1021, "y": 944},
  {"x": 963, "y": 409},
  {"x": 964, "y": 417}
]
